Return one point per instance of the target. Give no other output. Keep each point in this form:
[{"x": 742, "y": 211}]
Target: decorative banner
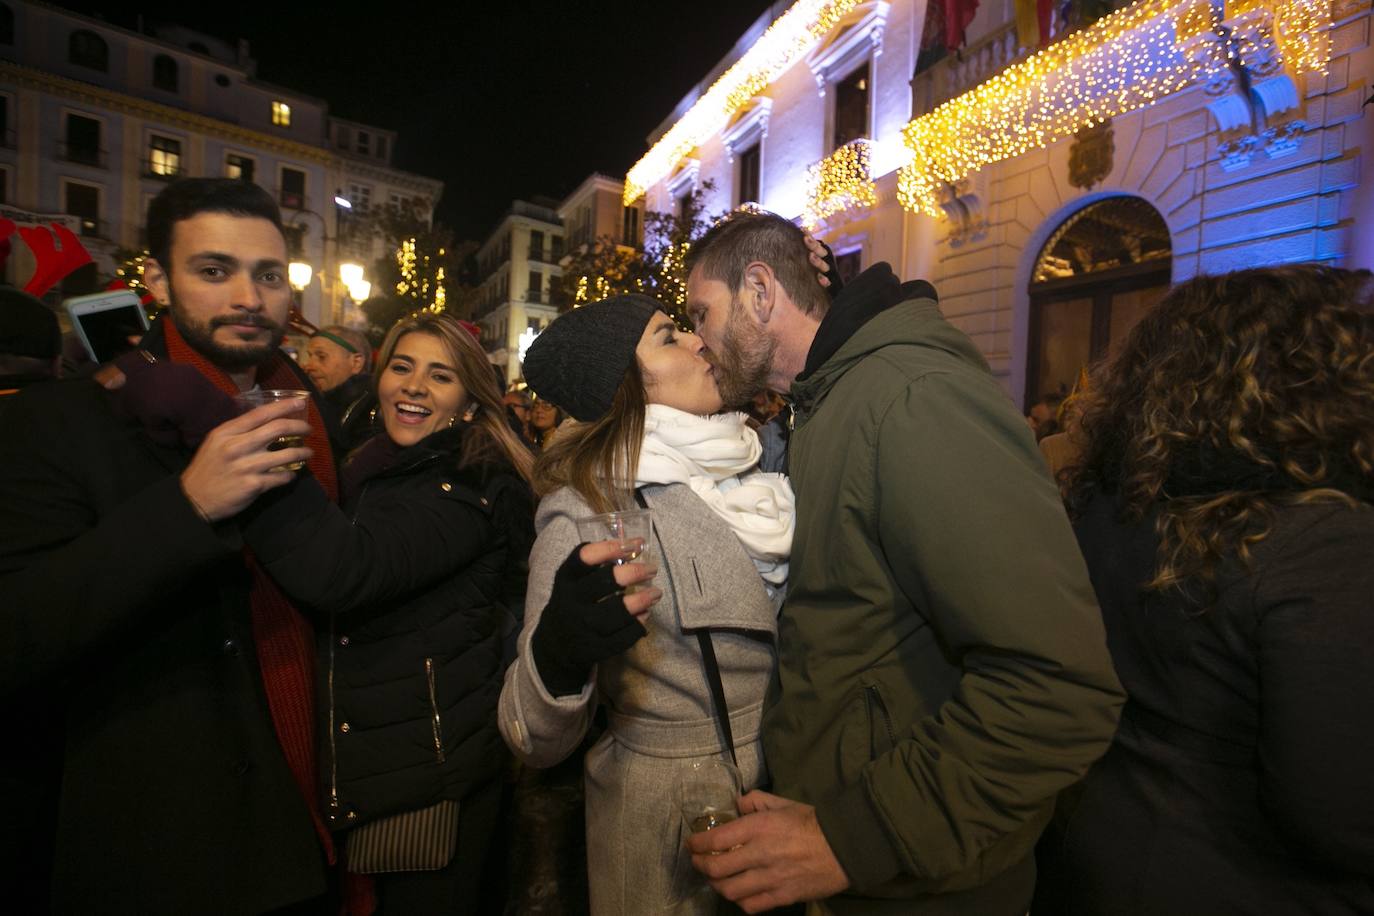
[{"x": 56, "y": 249}]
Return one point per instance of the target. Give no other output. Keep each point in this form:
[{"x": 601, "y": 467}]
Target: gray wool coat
[{"x": 658, "y": 703}]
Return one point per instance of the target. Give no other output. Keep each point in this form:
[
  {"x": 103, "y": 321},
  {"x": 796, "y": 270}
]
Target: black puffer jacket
[{"x": 412, "y": 585}]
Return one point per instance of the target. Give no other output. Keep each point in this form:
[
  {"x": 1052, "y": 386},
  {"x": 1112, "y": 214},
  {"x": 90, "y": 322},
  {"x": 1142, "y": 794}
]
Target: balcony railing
[
  {"x": 547, "y": 254},
  {"x": 293, "y": 200},
  {"x": 534, "y": 295},
  {"x": 82, "y": 155},
  {"x": 92, "y": 226},
  {"x": 840, "y": 182}
]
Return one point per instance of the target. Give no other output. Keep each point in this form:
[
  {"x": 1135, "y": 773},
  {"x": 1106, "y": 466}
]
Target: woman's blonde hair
[
  {"x": 489, "y": 439},
  {"x": 1236, "y": 394},
  {"x": 598, "y": 459}
]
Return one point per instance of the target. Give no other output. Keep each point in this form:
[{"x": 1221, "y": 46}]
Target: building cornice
[{"x": 33, "y": 78}]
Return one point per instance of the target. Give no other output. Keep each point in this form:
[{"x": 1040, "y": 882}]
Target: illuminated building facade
[
  {"x": 1051, "y": 193},
  {"x": 517, "y": 266},
  {"x": 96, "y": 119}
]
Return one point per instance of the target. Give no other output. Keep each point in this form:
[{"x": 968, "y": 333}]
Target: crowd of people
[{"x": 292, "y": 658}]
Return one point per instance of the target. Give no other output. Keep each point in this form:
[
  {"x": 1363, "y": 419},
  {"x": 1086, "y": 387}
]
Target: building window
[
  {"x": 164, "y": 157},
  {"x": 629, "y": 227},
  {"x": 236, "y": 166},
  {"x": 360, "y": 196},
  {"x": 536, "y": 287},
  {"x": 343, "y": 137},
  {"x": 83, "y": 141},
  {"x": 749, "y": 176},
  {"x": 557, "y": 248},
  {"x": 293, "y": 189},
  {"x": 6, "y": 25},
  {"x": 536, "y": 246},
  {"x": 851, "y": 107},
  {"x": 1101, "y": 270},
  {"x": 281, "y": 114},
  {"x": 364, "y": 143},
  {"x": 87, "y": 49},
  {"x": 685, "y": 208},
  {"x": 83, "y": 200},
  {"x": 4, "y": 186},
  {"x": 164, "y": 73},
  {"x": 6, "y": 135},
  {"x": 381, "y": 147}
]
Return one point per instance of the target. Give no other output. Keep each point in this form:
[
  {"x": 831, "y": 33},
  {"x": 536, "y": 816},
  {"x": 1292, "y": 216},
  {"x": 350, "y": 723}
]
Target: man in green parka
[{"x": 942, "y": 666}]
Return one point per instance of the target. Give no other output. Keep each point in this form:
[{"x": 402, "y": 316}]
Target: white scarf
[{"x": 716, "y": 457}]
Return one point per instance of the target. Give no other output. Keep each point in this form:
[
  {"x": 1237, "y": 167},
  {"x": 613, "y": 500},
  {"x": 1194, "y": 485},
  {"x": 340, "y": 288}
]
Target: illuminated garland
[
  {"x": 839, "y": 182},
  {"x": 1122, "y": 62},
  {"x": 414, "y": 282},
  {"x": 787, "y": 40}
]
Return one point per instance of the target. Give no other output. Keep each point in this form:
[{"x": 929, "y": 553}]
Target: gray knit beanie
[{"x": 579, "y": 360}]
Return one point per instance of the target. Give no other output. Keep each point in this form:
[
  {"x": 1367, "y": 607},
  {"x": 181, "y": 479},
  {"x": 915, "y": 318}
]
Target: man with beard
[
  {"x": 187, "y": 749},
  {"x": 942, "y": 665}
]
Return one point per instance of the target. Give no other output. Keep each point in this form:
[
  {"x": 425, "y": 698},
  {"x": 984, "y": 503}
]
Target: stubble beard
[
  {"x": 231, "y": 358},
  {"x": 745, "y": 360}
]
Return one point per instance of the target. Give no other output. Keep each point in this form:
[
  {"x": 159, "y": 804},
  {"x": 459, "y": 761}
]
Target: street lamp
[
  {"x": 359, "y": 291},
  {"x": 350, "y": 273},
  {"x": 299, "y": 273}
]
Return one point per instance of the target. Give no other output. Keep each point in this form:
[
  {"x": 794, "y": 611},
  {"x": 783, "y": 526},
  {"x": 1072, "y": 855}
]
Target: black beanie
[{"x": 579, "y": 360}]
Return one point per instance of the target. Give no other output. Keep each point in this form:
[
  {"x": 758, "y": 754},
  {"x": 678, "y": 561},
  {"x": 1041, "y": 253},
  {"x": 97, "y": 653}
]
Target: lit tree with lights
[{"x": 604, "y": 269}]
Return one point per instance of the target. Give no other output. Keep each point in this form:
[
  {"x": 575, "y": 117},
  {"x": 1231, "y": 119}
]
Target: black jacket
[
  {"x": 412, "y": 584},
  {"x": 348, "y": 412},
  {"x": 1239, "y": 781},
  {"x": 129, "y": 616}
]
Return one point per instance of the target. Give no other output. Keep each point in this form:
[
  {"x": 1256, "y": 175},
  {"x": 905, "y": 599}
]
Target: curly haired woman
[{"x": 1223, "y": 503}]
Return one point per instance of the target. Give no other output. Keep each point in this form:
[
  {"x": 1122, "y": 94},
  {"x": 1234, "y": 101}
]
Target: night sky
[{"x": 501, "y": 100}]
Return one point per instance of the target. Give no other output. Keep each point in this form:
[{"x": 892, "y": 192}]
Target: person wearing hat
[
  {"x": 647, "y": 432},
  {"x": 30, "y": 341},
  {"x": 339, "y": 362}
]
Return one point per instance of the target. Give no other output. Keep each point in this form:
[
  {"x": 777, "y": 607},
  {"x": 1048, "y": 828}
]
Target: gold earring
[{"x": 452, "y": 421}]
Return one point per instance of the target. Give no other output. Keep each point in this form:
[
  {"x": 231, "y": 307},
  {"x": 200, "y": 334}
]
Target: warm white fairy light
[
  {"x": 1122, "y": 62},
  {"x": 786, "y": 41},
  {"x": 841, "y": 181}
]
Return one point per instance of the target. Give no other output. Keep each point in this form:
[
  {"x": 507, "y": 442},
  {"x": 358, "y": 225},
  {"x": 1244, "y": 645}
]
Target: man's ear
[
  {"x": 157, "y": 281},
  {"x": 759, "y": 290},
  {"x": 355, "y": 363}
]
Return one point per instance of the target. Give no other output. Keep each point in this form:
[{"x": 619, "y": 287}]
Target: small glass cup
[
  {"x": 625, "y": 526},
  {"x": 708, "y": 794},
  {"x": 247, "y": 400}
]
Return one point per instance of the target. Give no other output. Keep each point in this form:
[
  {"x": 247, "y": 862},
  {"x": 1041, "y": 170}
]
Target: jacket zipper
[
  {"x": 875, "y": 701},
  {"x": 329, "y": 682},
  {"x": 434, "y": 710}
]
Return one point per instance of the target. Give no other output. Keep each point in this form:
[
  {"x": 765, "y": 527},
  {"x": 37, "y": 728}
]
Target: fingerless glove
[{"x": 584, "y": 622}]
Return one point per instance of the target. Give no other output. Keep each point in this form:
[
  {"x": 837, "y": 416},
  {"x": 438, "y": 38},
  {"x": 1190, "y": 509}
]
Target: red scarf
[{"x": 284, "y": 639}]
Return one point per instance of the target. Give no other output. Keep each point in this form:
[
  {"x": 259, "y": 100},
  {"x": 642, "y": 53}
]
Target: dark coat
[
  {"x": 131, "y": 615},
  {"x": 348, "y": 412},
  {"x": 412, "y": 584},
  {"x": 1239, "y": 781}
]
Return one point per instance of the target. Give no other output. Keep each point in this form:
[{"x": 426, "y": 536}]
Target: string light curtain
[
  {"x": 791, "y": 36},
  {"x": 1124, "y": 61}
]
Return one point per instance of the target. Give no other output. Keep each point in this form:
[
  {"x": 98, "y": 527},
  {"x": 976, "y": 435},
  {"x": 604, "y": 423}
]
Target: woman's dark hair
[
  {"x": 189, "y": 197},
  {"x": 1236, "y": 394}
]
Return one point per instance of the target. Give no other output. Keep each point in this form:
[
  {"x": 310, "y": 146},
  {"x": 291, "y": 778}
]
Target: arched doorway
[{"x": 1103, "y": 268}]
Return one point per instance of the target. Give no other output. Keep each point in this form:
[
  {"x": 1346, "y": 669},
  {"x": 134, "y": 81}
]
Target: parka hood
[{"x": 874, "y": 311}]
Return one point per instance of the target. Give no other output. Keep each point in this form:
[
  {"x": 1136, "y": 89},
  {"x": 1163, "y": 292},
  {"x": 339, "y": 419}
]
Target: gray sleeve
[{"x": 542, "y": 729}]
